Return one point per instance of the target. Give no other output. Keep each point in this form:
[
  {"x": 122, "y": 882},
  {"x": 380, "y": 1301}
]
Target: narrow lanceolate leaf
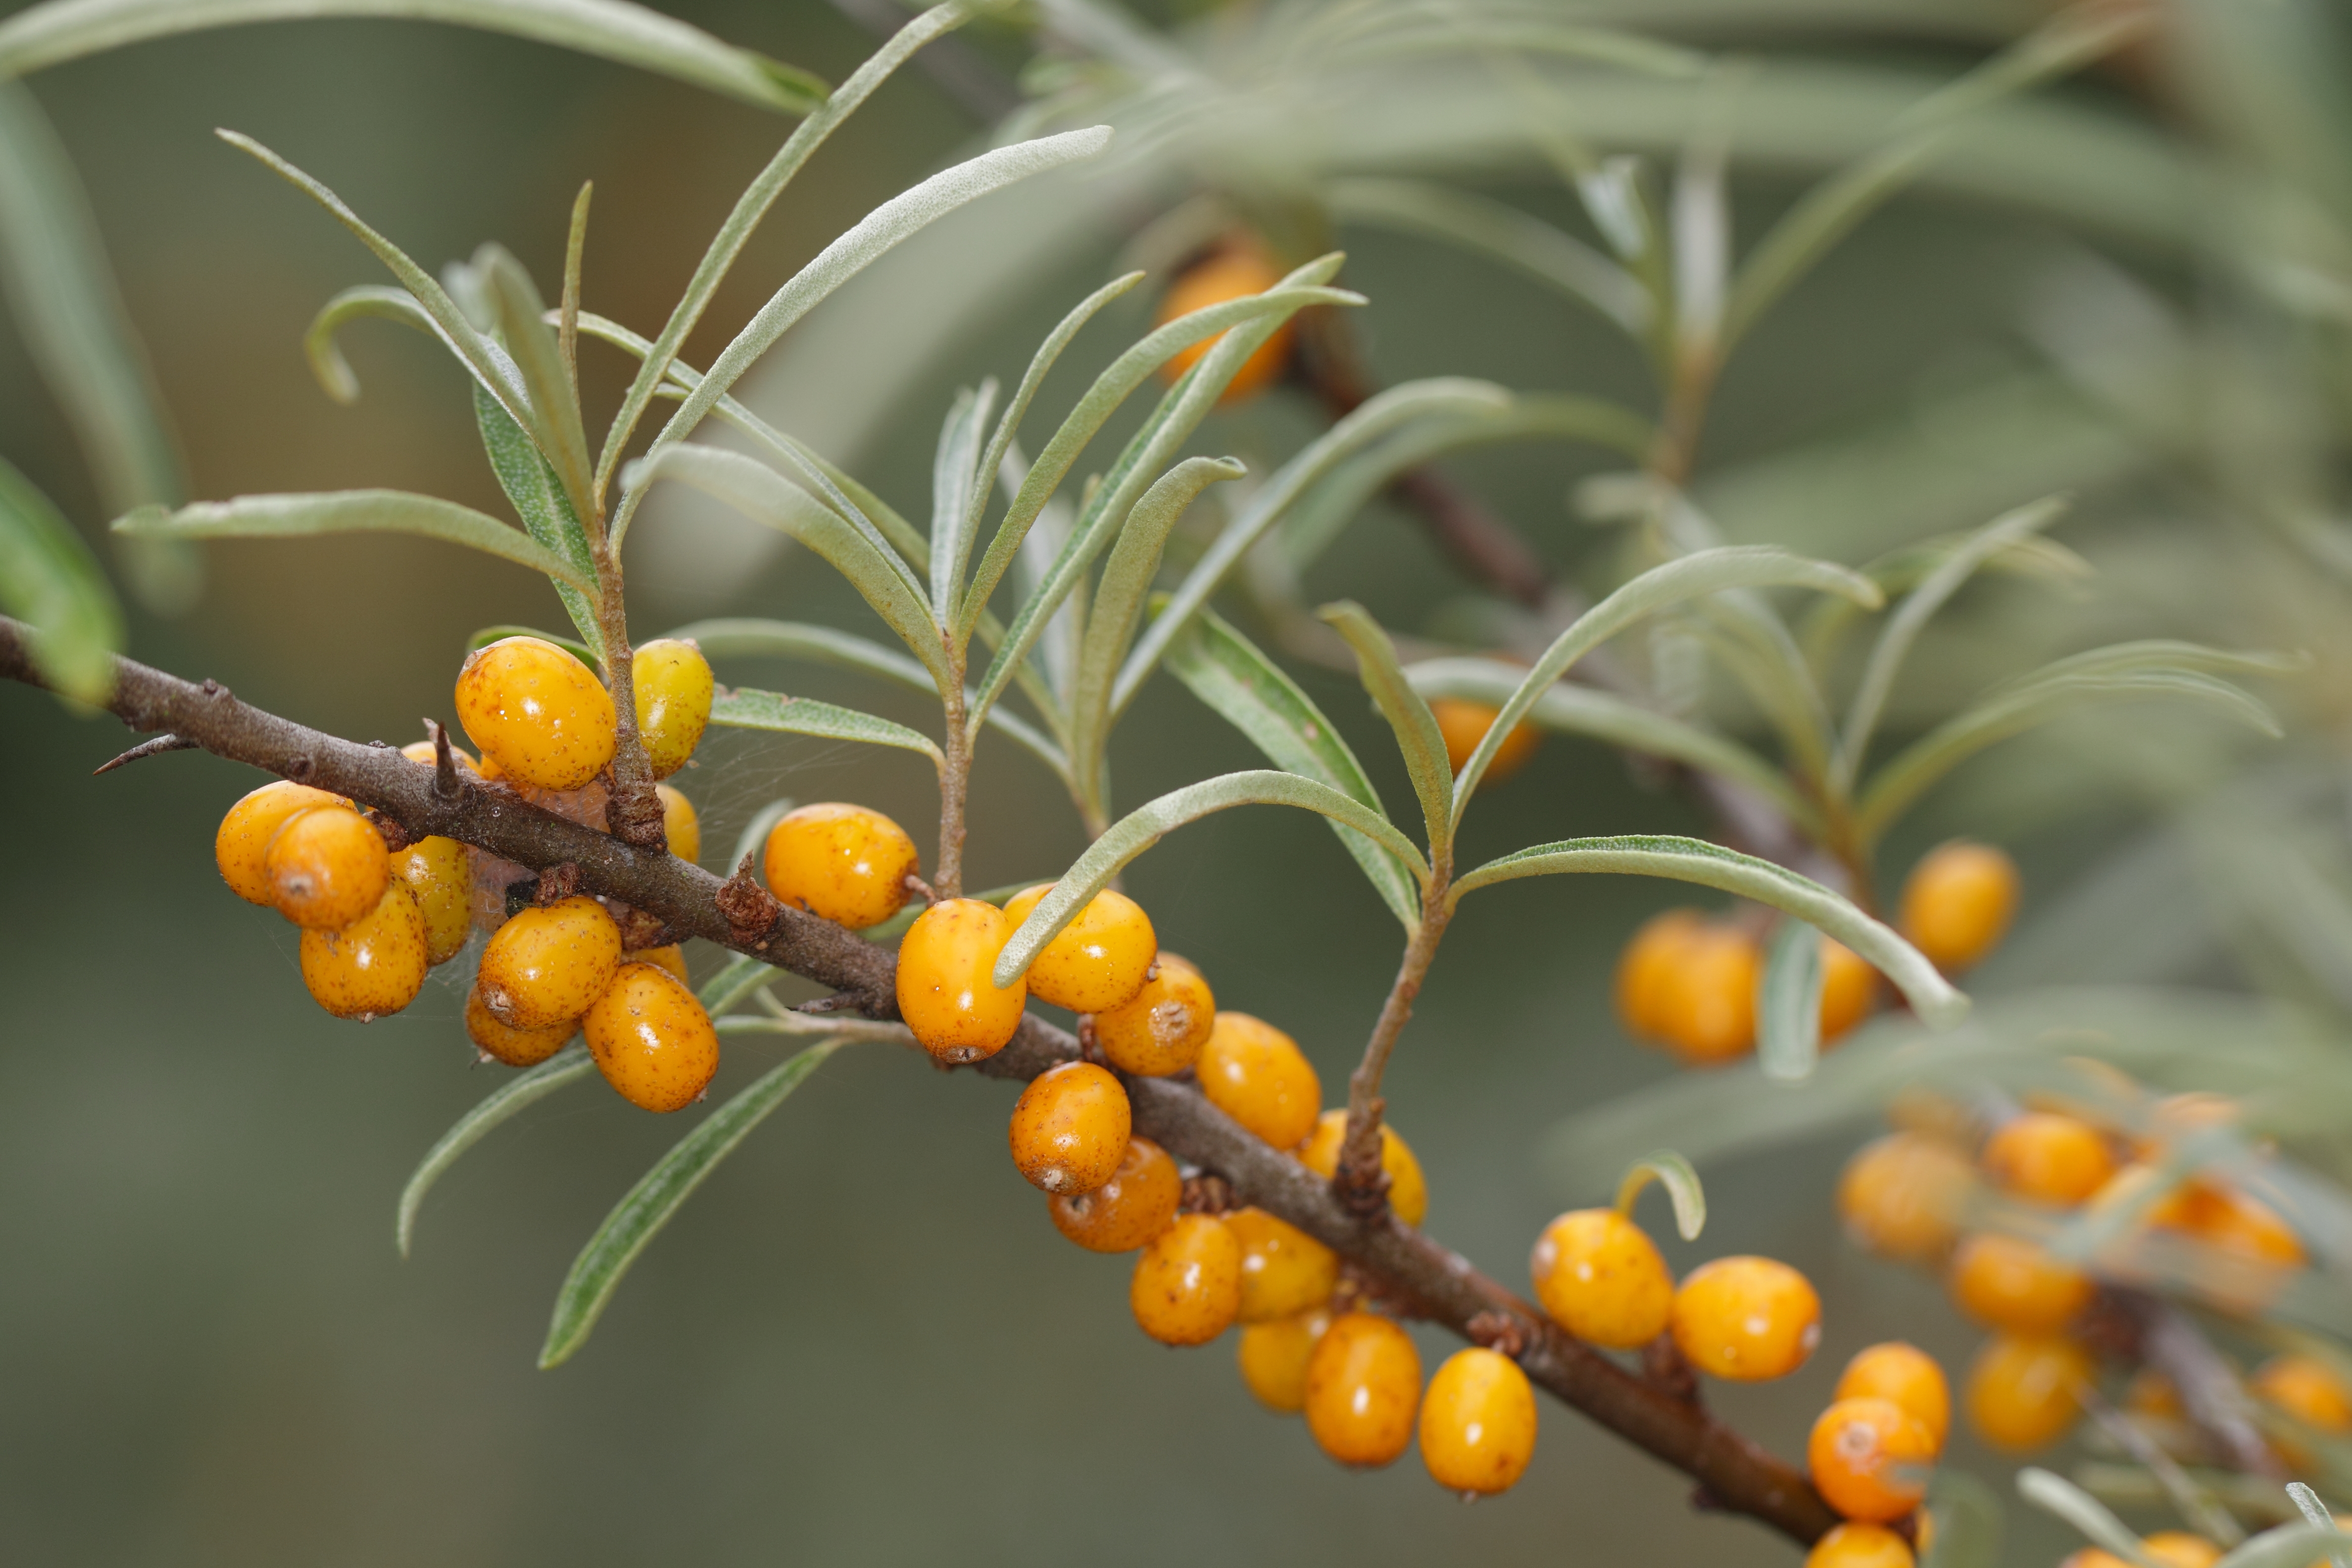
[
  {"x": 1788, "y": 1003},
  {"x": 1137, "y": 831},
  {"x": 1226, "y": 670},
  {"x": 1967, "y": 1520},
  {"x": 663, "y": 1190},
  {"x": 2056, "y": 1494},
  {"x": 322, "y": 345},
  {"x": 1425, "y": 759},
  {"x": 541, "y": 501},
  {"x": 2315, "y": 1513},
  {"x": 740, "y": 978},
  {"x": 2289, "y": 1546},
  {"x": 538, "y": 354},
  {"x": 1713, "y": 866},
  {"x": 743, "y": 709},
  {"x": 569, "y": 1065},
  {"x": 632, "y": 35},
  {"x": 1674, "y": 1174},
  {"x": 1690, "y": 577},
  {"x": 49, "y": 581},
  {"x": 953, "y": 464},
  {"x": 353, "y": 512}
]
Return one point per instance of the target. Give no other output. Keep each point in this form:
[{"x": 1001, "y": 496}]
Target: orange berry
[
  {"x": 2150, "y": 1393},
  {"x": 516, "y": 1048},
  {"x": 545, "y": 966},
  {"x": 681, "y": 828},
  {"x": 1849, "y": 989},
  {"x": 945, "y": 992},
  {"x": 326, "y": 867},
  {"x": 537, "y": 711},
  {"x": 2025, "y": 1393},
  {"x": 1285, "y": 1271},
  {"x": 2241, "y": 1225},
  {"x": 1363, "y": 1384},
  {"x": 1709, "y": 1011},
  {"x": 1069, "y": 1129},
  {"x": 1599, "y": 1277},
  {"x": 843, "y": 862},
  {"x": 2049, "y": 1158},
  {"x": 672, "y": 958},
  {"x": 1465, "y": 723},
  {"x": 1136, "y": 1204},
  {"x": 651, "y": 1040},
  {"x": 2007, "y": 1283},
  {"x": 1097, "y": 961},
  {"x": 1188, "y": 1283},
  {"x": 1408, "y": 1188},
  {"x": 1274, "y": 1358},
  {"x": 1237, "y": 269},
  {"x": 2180, "y": 1549},
  {"x": 2308, "y": 1389},
  {"x": 1904, "y": 1375},
  {"x": 438, "y": 872},
  {"x": 246, "y": 832},
  {"x": 1957, "y": 903},
  {"x": 672, "y": 685},
  {"x": 370, "y": 966},
  {"x": 1747, "y": 1319},
  {"x": 1477, "y": 1423},
  {"x": 1161, "y": 1028},
  {"x": 1856, "y": 1545},
  {"x": 1650, "y": 968},
  {"x": 1901, "y": 1196},
  {"x": 1859, "y": 1453},
  {"x": 1257, "y": 1074}
]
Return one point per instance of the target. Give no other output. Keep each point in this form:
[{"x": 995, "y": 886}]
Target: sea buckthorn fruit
[
  {"x": 1849, "y": 989},
  {"x": 1237, "y": 269},
  {"x": 1188, "y": 1283},
  {"x": 1257, "y": 1074},
  {"x": 243, "y": 841},
  {"x": 651, "y": 1040},
  {"x": 2049, "y": 1158},
  {"x": 1069, "y": 1129},
  {"x": 1857, "y": 1545},
  {"x": 515, "y": 1048},
  {"x": 1126, "y": 1212},
  {"x": 1477, "y": 1423},
  {"x": 672, "y": 685},
  {"x": 2308, "y": 1389},
  {"x": 546, "y": 966},
  {"x": 2023, "y": 1393},
  {"x": 1709, "y": 1010},
  {"x": 681, "y": 827},
  {"x": 1906, "y": 1375},
  {"x": 671, "y": 958},
  {"x": 2009, "y": 1284},
  {"x": 1408, "y": 1188},
  {"x": 537, "y": 711},
  {"x": 1957, "y": 903},
  {"x": 1901, "y": 1196},
  {"x": 1465, "y": 723},
  {"x": 1599, "y": 1277},
  {"x": 1363, "y": 1386},
  {"x": 370, "y": 966},
  {"x": 1096, "y": 963},
  {"x": 1649, "y": 970},
  {"x": 1869, "y": 1459},
  {"x": 1285, "y": 1271},
  {"x": 1747, "y": 1319},
  {"x": 843, "y": 862},
  {"x": 1274, "y": 1357},
  {"x": 946, "y": 993},
  {"x": 326, "y": 867},
  {"x": 440, "y": 873},
  {"x": 1161, "y": 1028}
]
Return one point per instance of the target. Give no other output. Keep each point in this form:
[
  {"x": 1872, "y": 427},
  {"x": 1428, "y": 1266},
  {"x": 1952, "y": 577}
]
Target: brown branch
[{"x": 1402, "y": 1265}]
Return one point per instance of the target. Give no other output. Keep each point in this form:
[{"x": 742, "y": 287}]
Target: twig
[{"x": 2209, "y": 1390}]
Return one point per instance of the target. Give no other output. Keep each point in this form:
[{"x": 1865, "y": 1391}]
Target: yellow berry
[
  {"x": 2007, "y": 1283},
  {"x": 1285, "y": 1271},
  {"x": 2243, "y": 1226},
  {"x": 844, "y": 863},
  {"x": 1188, "y": 1283},
  {"x": 545, "y": 966},
  {"x": 2048, "y": 1158},
  {"x": 1408, "y": 1188},
  {"x": 1957, "y": 903},
  {"x": 1709, "y": 1009},
  {"x": 681, "y": 828},
  {"x": 1867, "y": 1457},
  {"x": 246, "y": 832},
  {"x": 537, "y": 711},
  {"x": 438, "y": 872},
  {"x": 2180, "y": 1549},
  {"x": 1257, "y": 1074},
  {"x": 516, "y": 1048},
  {"x": 945, "y": 993},
  {"x": 1237, "y": 269},
  {"x": 672, "y": 958},
  {"x": 651, "y": 1040},
  {"x": 1599, "y": 1277},
  {"x": 1069, "y": 1129},
  {"x": 1649, "y": 970},
  {"x": 1363, "y": 1386},
  {"x": 1901, "y": 1196},
  {"x": 1906, "y": 1375},
  {"x": 326, "y": 867},
  {"x": 1274, "y": 1358},
  {"x": 1477, "y": 1423},
  {"x": 1097, "y": 961},
  {"x": 1849, "y": 989},
  {"x": 2025, "y": 1393},
  {"x": 1161, "y": 1028},
  {"x": 1856, "y": 1545},
  {"x": 1126, "y": 1212},
  {"x": 1465, "y": 723},
  {"x": 370, "y": 966},
  {"x": 2308, "y": 1389},
  {"x": 672, "y": 683},
  {"x": 1747, "y": 1319}
]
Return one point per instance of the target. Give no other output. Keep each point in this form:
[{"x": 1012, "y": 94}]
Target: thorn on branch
[
  {"x": 749, "y": 910},
  {"x": 558, "y": 883},
  {"x": 155, "y": 748},
  {"x": 839, "y": 1001},
  {"x": 445, "y": 763}
]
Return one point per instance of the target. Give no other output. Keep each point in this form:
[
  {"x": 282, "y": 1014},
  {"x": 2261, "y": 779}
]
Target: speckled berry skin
[
  {"x": 1957, "y": 903},
  {"x": 651, "y": 1040},
  {"x": 1237, "y": 269},
  {"x": 1273, "y": 1358},
  {"x": 946, "y": 993},
  {"x": 1854, "y": 1545},
  {"x": 370, "y": 967},
  {"x": 546, "y": 966},
  {"x": 1162, "y": 1027},
  {"x": 2046, "y": 1158},
  {"x": 1601, "y": 1277},
  {"x": 1129, "y": 1210},
  {"x": 439, "y": 872},
  {"x": 672, "y": 687},
  {"x": 1069, "y": 1129},
  {"x": 1463, "y": 723},
  {"x": 1906, "y": 1375},
  {"x": 243, "y": 841},
  {"x": 2009, "y": 1284},
  {"x": 1868, "y": 1457},
  {"x": 681, "y": 828},
  {"x": 537, "y": 711},
  {"x": 1408, "y": 1188},
  {"x": 1747, "y": 1319},
  {"x": 1901, "y": 1196},
  {"x": 2025, "y": 1393},
  {"x": 1285, "y": 1271},
  {"x": 1363, "y": 1387},
  {"x": 326, "y": 867},
  {"x": 1096, "y": 963},
  {"x": 515, "y": 1048},
  {"x": 1188, "y": 1283},
  {"x": 1257, "y": 1074},
  {"x": 843, "y": 862},
  {"x": 1477, "y": 1423}
]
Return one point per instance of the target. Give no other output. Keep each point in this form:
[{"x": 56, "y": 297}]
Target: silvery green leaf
[
  {"x": 1226, "y": 670},
  {"x": 49, "y": 580},
  {"x": 657, "y": 1197},
  {"x": 2034, "y": 559},
  {"x": 1141, "y": 828},
  {"x": 488, "y": 635},
  {"x": 1788, "y": 1003},
  {"x": 540, "y": 500},
  {"x": 2289, "y": 1546},
  {"x": 1713, "y": 866},
  {"x": 1425, "y": 759},
  {"x": 569, "y": 1065},
  {"x": 1967, "y": 1520},
  {"x": 2055, "y": 1494},
  {"x": 743, "y": 709},
  {"x": 740, "y": 978},
  {"x": 952, "y": 470},
  {"x": 518, "y": 310},
  {"x": 1673, "y": 1173},
  {"x": 321, "y": 346}
]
